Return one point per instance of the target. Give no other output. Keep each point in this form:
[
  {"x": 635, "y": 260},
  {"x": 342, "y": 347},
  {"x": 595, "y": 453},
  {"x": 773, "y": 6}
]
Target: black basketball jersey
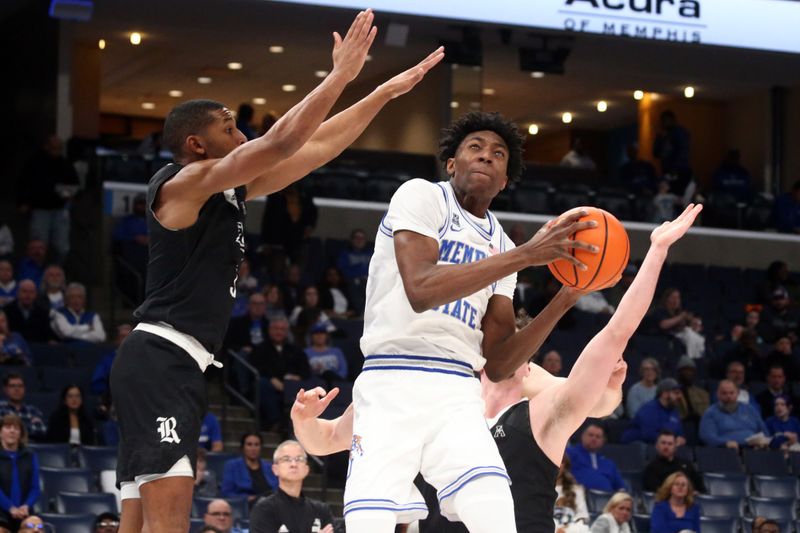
[
  {"x": 191, "y": 273},
  {"x": 533, "y": 474}
]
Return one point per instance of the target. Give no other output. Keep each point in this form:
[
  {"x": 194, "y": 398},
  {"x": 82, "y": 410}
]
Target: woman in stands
[
  {"x": 675, "y": 509},
  {"x": 333, "y": 296},
  {"x": 306, "y": 316},
  {"x": 643, "y": 390},
  {"x": 32, "y": 524},
  {"x": 275, "y": 302},
  {"x": 13, "y": 348},
  {"x": 616, "y": 515},
  {"x": 70, "y": 422},
  {"x": 19, "y": 473},
  {"x": 571, "y": 498},
  {"x": 249, "y": 475},
  {"x": 783, "y": 427}
]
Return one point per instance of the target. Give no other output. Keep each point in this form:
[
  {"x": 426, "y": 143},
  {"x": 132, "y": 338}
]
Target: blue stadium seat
[
  {"x": 627, "y": 457},
  {"x": 776, "y": 508},
  {"x": 641, "y": 523},
  {"x": 69, "y": 523},
  {"x": 633, "y": 480},
  {"x": 765, "y": 462},
  {"x": 719, "y": 525},
  {"x": 55, "y": 480},
  {"x": 648, "y": 501},
  {"x": 730, "y": 484},
  {"x": 794, "y": 460},
  {"x": 720, "y": 506},
  {"x": 717, "y": 460},
  {"x": 196, "y": 524},
  {"x": 98, "y": 458},
  {"x": 215, "y": 462},
  {"x": 46, "y": 401},
  {"x": 86, "y": 503},
  {"x": 52, "y": 455},
  {"x": 597, "y": 499},
  {"x": 56, "y": 378},
  {"x": 49, "y": 354},
  {"x": 532, "y": 198},
  {"x": 776, "y": 487},
  {"x": 86, "y": 355},
  {"x": 381, "y": 189}
]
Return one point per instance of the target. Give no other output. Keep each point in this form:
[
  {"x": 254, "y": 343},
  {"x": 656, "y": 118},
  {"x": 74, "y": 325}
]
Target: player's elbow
[{"x": 419, "y": 301}]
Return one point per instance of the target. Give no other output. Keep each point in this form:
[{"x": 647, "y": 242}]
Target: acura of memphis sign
[{"x": 759, "y": 24}]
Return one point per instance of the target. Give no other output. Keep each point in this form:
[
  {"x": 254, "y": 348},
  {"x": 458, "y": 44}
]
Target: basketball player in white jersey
[
  {"x": 556, "y": 406},
  {"x": 439, "y": 307}
]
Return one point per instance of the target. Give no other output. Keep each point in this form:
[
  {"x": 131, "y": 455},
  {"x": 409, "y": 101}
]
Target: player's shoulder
[{"x": 419, "y": 186}]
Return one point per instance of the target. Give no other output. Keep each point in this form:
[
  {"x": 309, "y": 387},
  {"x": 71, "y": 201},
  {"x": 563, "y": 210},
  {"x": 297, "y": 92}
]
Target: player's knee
[
  {"x": 485, "y": 505},
  {"x": 370, "y": 521}
]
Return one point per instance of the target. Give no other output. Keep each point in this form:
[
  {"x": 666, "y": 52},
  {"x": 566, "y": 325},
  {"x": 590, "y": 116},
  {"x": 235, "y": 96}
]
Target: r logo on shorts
[{"x": 166, "y": 428}]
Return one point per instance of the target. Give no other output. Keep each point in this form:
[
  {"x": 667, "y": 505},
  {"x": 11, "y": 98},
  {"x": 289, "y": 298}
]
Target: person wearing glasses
[
  {"x": 106, "y": 523},
  {"x": 288, "y": 509},
  {"x": 32, "y": 524},
  {"x": 220, "y": 516}
]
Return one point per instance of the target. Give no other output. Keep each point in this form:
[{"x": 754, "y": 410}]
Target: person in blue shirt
[
  {"x": 8, "y": 285},
  {"x": 729, "y": 422},
  {"x": 733, "y": 179},
  {"x": 591, "y": 469},
  {"x": 249, "y": 475},
  {"x": 353, "y": 263},
  {"x": 32, "y": 265},
  {"x": 675, "y": 509},
  {"x": 783, "y": 427},
  {"x": 102, "y": 372},
  {"x": 19, "y": 473},
  {"x": 210, "y": 434},
  {"x": 787, "y": 210},
  {"x": 13, "y": 348},
  {"x": 659, "y": 413},
  {"x": 325, "y": 361}
]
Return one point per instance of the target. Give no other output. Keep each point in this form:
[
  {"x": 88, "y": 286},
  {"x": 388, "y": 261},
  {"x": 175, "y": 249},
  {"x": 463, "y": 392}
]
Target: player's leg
[
  {"x": 485, "y": 505},
  {"x": 131, "y": 517},
  {"x": 167, "y": 504}
]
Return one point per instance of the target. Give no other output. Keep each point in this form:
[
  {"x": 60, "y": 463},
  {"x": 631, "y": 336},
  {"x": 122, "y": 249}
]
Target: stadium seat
[
  {"x": 597, "y": 499},
  {"x": 380, "y": 190},
  {"x": 49, "y": 354},
  {"x": 627, "y": 457},
  {"x": 730, "y": 484},
  {"x": 87, "y": 356},
  {"x": 54, "y": 379},
  {"x": 532, "y": 198},
  {"x": 86, "y": 503},
  {"x": 55, "y": 480},
  {"x": 633, "y": 480},
  {"x": 765, "y": 462},
  {"x": 719, "y": 525},
  {"x": 794, "y": 460},
  {"x": 215, "y": 462},
  {"x": 52, "y": 455},
  {"x": 238, "y": 506},
  {"x": 641, "y": 523},
  {"x": 196, "y": 524},
  {"x": 69, "y": 523},
  {"x": 685, "y": 453},
  {"x": 776, "y": 508},
  {"x": 46, "y": 401},
  {"x": 98, "y": 458},
  {"x": 720, "y": 506},
  {"x": 617, "y": 203},
  {"x": 648, "y": 501},
  {"x": 776, "y": 487},
  {"x": 717, "y": 460}
]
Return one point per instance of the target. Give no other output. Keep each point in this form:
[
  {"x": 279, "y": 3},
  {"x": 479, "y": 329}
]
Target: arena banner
[{"x": 756, "y": 24}]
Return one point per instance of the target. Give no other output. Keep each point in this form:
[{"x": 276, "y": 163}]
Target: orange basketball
[{"x": 611, "y": 239}]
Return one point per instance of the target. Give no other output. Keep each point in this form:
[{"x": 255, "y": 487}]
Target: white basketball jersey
[{"x": 453, "y": 330}]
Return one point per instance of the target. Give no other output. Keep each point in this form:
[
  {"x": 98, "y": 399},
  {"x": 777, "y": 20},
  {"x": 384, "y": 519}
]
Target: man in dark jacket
[
  {"x": 665, "y": 463},
  {"x": 27, "y": 317}
]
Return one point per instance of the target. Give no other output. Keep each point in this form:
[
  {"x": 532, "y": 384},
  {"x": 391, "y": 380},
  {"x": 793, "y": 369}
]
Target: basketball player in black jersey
[
  {"x": 532, "y": 435},
  {"x": 195, "y": 215}
]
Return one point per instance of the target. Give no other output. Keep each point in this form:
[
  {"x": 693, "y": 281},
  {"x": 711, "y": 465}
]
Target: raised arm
[
  {"x": 562, "y": 409},
  {"x": 340, "y": 131},
  {"x": 318, "y": 436},
  {"x": 540, "y": 379}
]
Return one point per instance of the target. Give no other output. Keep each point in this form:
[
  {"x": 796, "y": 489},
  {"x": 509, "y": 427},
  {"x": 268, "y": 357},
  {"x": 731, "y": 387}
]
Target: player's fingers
[
  {"x": 334, "y": 392},
  {"x": 316, "y": 393},
  {"x": 360, "y": 31},
  {"x": 337, "y": 40},
  {"x": 366, "y": 27},
  {"x": 354, "y": 25},
  {"x": 301, "y": 394},
  {"x": 569, "y": 243},
  {"x": 433, "y": 58},
  {"x": 371, "y": 36},
  {"x": 572, "y": 218},
  {"x": 572, "y": 259}
]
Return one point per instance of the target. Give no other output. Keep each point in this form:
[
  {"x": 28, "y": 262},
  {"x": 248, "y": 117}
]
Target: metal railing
[{"x": 241, "y": 368}]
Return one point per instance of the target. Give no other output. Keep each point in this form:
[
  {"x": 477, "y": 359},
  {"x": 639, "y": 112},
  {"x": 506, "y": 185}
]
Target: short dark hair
[
  {"x": 473, "y": 121},
  {"x": 250, "y": 434},
  {"x": 106, "y": 516},
  {"x": 210, "y": 529},
  {"x": 187, "y": 118},
  {"x": 245, "y": 112},
  {"x": 12, "y": 375},
  {"x": 666, "y": 432}
]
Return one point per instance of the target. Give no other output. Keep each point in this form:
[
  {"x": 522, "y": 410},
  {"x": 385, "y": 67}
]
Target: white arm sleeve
[{"x": 417, "y": 206}]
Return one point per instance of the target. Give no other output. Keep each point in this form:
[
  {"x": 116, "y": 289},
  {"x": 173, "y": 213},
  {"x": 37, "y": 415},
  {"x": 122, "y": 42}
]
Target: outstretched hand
[
  {"x": 311, "y": 404},
  {"x": 669, "y": 232},
  {"x": 405, "y": 81},
  {"x": 350, "y": 52},
  {"x": 552, "y": 242}
]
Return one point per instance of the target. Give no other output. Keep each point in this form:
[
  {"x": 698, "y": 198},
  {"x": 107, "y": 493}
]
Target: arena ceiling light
[
  {"x": 205, "y": 80},
  {"x": 234, "y": 65},
  {"x": 566, "y": 118},
  {"x": 175, "y": 93},
  {"x": 320, "y": 73},
  {"x": 688, "y": 92},
  {"x": 136, "y": 38},
  {"x": 602, "y": 106},
  {"x": 533, "y": 129},
  {"x": 101, "y": 44},
  {"x": 259, "y": 101},
  {"x": 289, "y": 88},
  {"x": 488, "y": 91},
  {"x": 276, "y": 49},
  {"x": 148, "y": 105},
  {"x": 638, "y": 95}
]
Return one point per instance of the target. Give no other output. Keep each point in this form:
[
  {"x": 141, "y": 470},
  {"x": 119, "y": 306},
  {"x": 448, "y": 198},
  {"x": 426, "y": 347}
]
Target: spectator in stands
[
  {"x": 353, "y": 263},
  {"x": 694, "y": 400},
  {"x": 666, "y": 462},
  {"x": 48, "y": 182},
  {"x": 656, "y": 415},
  {"x": 275, "y": 306},
  {"x": 592, "y": 470},
  {"x": 244, "y": 121},
  {"x": 778, "y": 276},
  {"x": 246, "y": 283},
  {"x": 577, "y": 157},
  {"x": 664, "y": 203},
  {"x": 19, "y": 472},
  {"x": 780, "y": 319},
  {"x": 32, "y": 524},
  {"x": 643, "y": 390},
  {"x": 551, "y": 361},
  {"x": 13, "y": 348},
  {"x": 32, "y": 265},
  {"x": 277, "y": 360},
  {"x": 736, "y": 374},
  {"x": 595, "y": 303},
  {"x": 768, "y": 526},
  {"x": 209, "y": 529},
  {"x": 671, "y": 147},
  {"x": 571, "y": 497},
  {"x": 745, "y": 351},
  {"x": 6, "y": 240},
  {"x": 130, "y": 239},
  {"x": 102, "y": 372},
  {"x": 787, "y": 210},
  {"x": 616, "y": 515},
  {"x": 309, "y": 314},
  {"x": 267, "y": 122},
  {"x": 74, "y": 322},
  {"x": 8, "y": 285},
  {"x": 70, "y": 422},
  {"x": 52, "y": 293},
  {"x": 205, "y": 482},
  {"x": 210, "y": 434},
  {"x": 733, "y": 179},
  {"x": 107, "y": 522},
  {"x": 729, "y": 422},
  {"x": 289, "y": 219},
  {"x": 782, "y": 354},
  {"x": 673, "y": 320},
  {"x": 31, "y": 416},
  {"x": 248, "y": 331},
  {"x": 249, "y": 475},
  {"x": 220, "y": 516},
  {"x": 26, "y": 316},
  {"x": 776, "y": 386},
  {"x": 333, "y": 295},
  {"x": 751, "y": 321},
  {"x": 783, "y": 427},
  {"x": 291, "y": 289},
  {"x": 326, "y": 361},
  {"x": 675, "y": 510},
  {"x": 756, "y": 525},
  {"x": 638, "y": 175},
  {"x": 288, "y": 508}
]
